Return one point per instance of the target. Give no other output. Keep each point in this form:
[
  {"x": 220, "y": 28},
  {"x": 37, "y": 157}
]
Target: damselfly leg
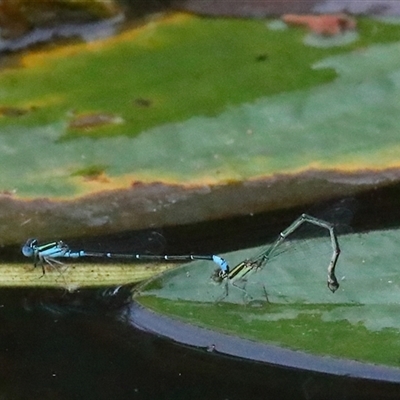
[
  {"x": 238, "y": 275},
  {"x": 46, "y": 254}
]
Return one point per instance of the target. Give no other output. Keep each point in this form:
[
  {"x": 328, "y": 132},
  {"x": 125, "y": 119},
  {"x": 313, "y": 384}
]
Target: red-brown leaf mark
[
  {"x": 94, "y": 120},
  {"x": 325, "y": 24},
  {"x": 7, "y": 111}
]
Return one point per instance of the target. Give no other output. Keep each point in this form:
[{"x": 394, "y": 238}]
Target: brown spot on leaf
[
  {"x": 326, "y": 24},
  {"x": 262, "y": 57},
  {"x": 7, "y": 192},
  {"x": 6, "y": 111},
  {"x": 94, "y": 120},
  {"x": 99, "y": 178},
  {"x": 141, "y": 102}
]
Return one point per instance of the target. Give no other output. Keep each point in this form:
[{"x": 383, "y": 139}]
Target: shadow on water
[{"x": 57, "y": 345}]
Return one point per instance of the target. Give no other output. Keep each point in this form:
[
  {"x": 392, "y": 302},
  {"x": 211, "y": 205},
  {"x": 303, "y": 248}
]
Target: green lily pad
[
  {"x": 174, "y": 123},
  {"x": 360, "y": 321},
  {"x": 213, "y": 109}
]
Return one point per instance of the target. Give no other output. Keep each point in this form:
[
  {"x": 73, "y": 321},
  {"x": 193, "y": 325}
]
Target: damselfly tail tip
[{"x": 333, "y": 284}]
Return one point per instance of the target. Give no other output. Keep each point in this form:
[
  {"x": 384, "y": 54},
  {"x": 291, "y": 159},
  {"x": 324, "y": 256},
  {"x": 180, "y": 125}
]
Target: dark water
[
  {"x": 76, "y": 346},
  {"x": 57, "y": 345}
]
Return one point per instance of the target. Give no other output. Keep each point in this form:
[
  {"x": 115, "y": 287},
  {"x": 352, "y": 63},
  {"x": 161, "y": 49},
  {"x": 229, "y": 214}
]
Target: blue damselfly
[{"x": 49, "y": 253}]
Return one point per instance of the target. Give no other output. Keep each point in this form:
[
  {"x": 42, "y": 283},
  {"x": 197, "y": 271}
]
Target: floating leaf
[
  {"x": 284, "y": 127},
  {"x": 360, "y": 321},
  {"x": 242, "y": 130}
]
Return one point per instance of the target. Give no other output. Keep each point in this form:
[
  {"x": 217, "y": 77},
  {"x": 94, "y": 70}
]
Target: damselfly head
[
  {"x": 218, "y": 275},
  {"x": 29, "y": 247}
]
